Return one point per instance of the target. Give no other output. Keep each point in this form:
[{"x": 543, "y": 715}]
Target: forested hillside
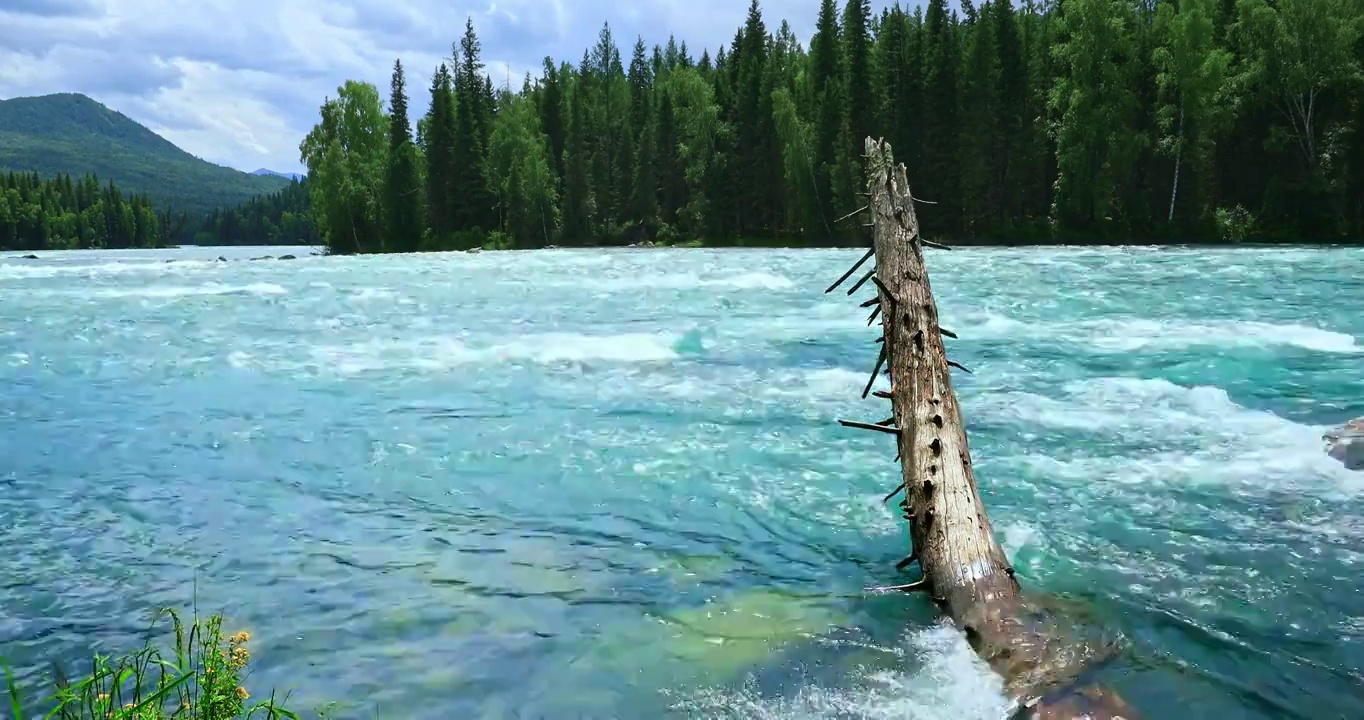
[
  {"x": 1078, "y": 121},
  {"x": 74, "y": 135}
]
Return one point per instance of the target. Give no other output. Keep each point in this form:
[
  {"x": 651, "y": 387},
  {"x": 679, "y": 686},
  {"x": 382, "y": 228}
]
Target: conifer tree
[
  {"x": 441, "y": 157},
  {"x": 577, "y": 225},
  {"x": 942, "y": 131},
  {"x": 402, "y": 182},
  {"x": 473, "y": 205},
  {"x": 825, "y": 78}
]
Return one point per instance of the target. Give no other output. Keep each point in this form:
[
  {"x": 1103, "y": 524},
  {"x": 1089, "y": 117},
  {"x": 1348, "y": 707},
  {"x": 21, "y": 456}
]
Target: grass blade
[{"x": 15, "y": 706}]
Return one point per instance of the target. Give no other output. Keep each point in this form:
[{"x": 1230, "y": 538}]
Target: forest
[
  {"x": 63, "y": 214},
  {"x": 1075, "y": 121},
  {"x": 1079, "y": 121},
  {"x": 280, "y": 218}
]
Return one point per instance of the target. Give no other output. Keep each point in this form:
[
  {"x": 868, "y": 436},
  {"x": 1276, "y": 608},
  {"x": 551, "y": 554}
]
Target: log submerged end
[{"x": 964, "y": 569}]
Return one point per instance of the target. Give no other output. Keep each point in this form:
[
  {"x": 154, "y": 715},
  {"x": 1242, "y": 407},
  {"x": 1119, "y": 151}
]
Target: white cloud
[{"x": 239, "y": 82}]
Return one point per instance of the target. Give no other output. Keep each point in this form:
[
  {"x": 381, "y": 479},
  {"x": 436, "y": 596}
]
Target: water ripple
[{"x": 608, "y": 483}]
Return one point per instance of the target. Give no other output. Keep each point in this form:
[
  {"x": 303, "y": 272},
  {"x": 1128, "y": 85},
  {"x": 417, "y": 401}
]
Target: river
[{"x": 610, "y": 483}]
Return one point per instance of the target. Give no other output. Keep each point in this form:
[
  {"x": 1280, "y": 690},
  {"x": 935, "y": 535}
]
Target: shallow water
[{"x": 567, "y": 484}]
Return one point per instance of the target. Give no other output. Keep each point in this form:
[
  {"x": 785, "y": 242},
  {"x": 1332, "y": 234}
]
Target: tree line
[
  {"x": 283, "y": 217},
  {"x": 65, "y": 214},
  {"x": 61, "y": 213},
  {"x": 1073, "y": 120}
]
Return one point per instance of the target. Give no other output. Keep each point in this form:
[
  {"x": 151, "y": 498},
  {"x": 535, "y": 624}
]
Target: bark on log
[{"x": 963, "y": 568}]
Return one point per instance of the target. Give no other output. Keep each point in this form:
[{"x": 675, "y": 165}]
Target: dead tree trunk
[{"x": 964, "y": 569}]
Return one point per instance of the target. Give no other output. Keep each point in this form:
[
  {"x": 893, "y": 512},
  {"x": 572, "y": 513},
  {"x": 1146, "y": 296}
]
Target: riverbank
[
  {"x": 777, "y": 245},
  {"x": 191, "y": 671}
]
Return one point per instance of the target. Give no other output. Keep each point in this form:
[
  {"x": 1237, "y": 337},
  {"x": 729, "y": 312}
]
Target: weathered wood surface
[{"x": 963, "y": 567}]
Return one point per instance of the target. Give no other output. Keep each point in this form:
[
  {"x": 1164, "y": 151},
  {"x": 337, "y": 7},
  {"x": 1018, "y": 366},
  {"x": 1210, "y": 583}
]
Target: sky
[{"x": 239, "y": 82}]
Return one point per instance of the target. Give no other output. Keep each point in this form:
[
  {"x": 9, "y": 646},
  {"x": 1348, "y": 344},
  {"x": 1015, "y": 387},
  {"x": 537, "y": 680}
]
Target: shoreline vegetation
[
  {"x": 201, "y": 676},
  {"x": 1088, "y": 122},
  {"x": 62, "y": 213},
  {"x": 774, "y": 244}
]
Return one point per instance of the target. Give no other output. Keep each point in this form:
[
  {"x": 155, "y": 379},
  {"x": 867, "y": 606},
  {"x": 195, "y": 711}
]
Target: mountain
[
  {"x": 73, "y": 134},
  {"x": 291, "y": 176}
]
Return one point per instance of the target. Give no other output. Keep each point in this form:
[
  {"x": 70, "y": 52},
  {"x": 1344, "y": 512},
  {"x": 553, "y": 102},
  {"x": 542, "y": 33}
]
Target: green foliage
[
  {"x": 200, "y": 679},
  {"x": 402, "y": 202},
  {"x": 346, "y": 155},
  {"x": 70, "y": 134},
  {"x": 1236, "y": 224},
  {"x": 1192, "y": 77},
  {"x": 1299, "y": 63},
  {"x": 60, "y": 214},
  {"x": 280, "y": 218},
  {"x": 472, "y": 201},
  {"x": 1088, "y": 119},
  {"x": 1094, "y": 121},
  {"x": 439, "y": 141},
  {"x": 521, "y": 176}
]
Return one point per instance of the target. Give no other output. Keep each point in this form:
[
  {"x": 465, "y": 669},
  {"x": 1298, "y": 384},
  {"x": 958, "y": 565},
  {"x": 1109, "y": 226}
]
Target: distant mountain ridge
[
  {"x": 73, "y": 134},
  {"x": 266, "y": 171}
]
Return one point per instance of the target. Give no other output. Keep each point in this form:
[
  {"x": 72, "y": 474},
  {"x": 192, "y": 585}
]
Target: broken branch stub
[
  {"x": 962, "y": 561},
  {"x": 965, "y": 570}
]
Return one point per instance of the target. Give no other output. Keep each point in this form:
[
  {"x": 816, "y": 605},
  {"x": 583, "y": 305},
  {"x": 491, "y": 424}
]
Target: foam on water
[
  {"x": 262, "y": 289},
  {"x": 1120, "y": 335},
  {"x": 357, "y": 444},
  {"x": 1128, "y": 335},
  {"x": 1226, "y": 443},
  {"x": 682, "y": 281},
  {"x": 949, "y": 683},
  {"x": 15, "y": 271},
  {"x": 442, "y": 353}
]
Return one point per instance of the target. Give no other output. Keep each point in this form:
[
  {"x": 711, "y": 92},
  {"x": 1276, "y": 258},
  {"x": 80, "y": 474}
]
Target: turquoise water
[{"x": 567, "y": 484}]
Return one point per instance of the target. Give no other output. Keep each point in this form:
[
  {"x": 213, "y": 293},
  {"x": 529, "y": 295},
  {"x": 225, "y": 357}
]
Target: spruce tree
[
  {"x": 857, "y": 69},
  {"x": 980, "y": 125},
  {"x": 473, "y": 206},
  {"x": 552, "y": 116},
  {"x": 577, "y": 225},
  {"x": 672, "y": 191},
  {"x": 402, "y": 182},
  {"x": 1014, "y": 101},
  {"x": 942, "y": 129},
  {"x": 441, "y": 157},
  {"x": 752, "y": 171},
  {"x": 825, "y": 79}
]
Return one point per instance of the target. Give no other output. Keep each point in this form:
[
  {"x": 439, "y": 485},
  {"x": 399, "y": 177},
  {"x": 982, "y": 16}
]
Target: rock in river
[{"x": 1346, "y": 443}]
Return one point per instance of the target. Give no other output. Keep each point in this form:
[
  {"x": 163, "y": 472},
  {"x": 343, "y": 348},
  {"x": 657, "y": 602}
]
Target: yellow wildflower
[
  {"x": 242, "y": 693},
  {"x": 241, "y": 637}
]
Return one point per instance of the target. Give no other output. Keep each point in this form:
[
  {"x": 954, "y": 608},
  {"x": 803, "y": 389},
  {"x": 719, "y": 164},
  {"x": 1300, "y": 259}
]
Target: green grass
[{"x": 200, "y": 678}]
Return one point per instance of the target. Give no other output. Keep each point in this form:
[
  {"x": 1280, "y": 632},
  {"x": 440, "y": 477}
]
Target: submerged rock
[
  {"x": 30, "y": 257},
  {"x": 287, "y": 257},
  {"x": 1346, "y": 444}
]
